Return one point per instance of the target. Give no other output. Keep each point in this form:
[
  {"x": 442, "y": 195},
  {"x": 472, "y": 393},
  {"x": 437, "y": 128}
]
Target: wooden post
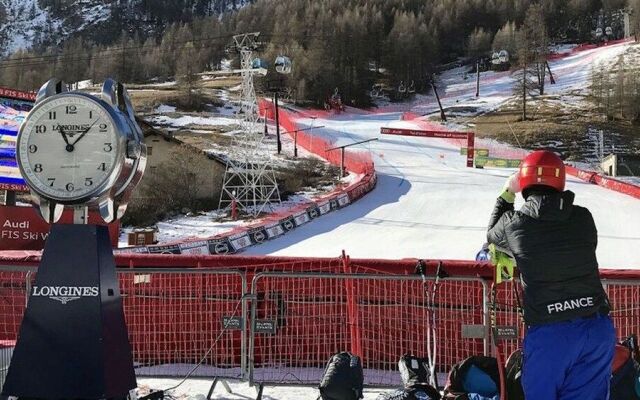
[
  {"x": 478, "y": 78},
  {"x": 342, "y": 175},
  {"x": 435, "y": 90},
  {"x": 553, "y": 81},
  {"x": 295, "y": 144}
]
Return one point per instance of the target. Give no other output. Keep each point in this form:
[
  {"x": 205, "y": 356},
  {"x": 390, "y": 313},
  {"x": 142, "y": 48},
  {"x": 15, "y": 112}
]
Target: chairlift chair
[
  {"x": 402, "y": 89},
  {"x": 376, "y": 91},
  {"x": 495, "y": 58},
  {"x": 259, "y": 63},
  {"x": 283, "y": 65},
  {"x": 503, "y": 56},
  {"x": 412, "y": 87}
]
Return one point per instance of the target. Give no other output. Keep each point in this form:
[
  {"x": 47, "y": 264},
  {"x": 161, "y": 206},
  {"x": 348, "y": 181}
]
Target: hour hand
[{"x": 69, "y": 147}]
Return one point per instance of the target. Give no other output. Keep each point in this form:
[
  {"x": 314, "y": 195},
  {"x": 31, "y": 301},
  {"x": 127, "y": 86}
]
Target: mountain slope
[{"x": 26, "y": 23}]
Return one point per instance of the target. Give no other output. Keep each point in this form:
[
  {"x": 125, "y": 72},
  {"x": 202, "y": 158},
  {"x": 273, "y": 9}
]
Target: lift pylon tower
[{"x": 249, "y": 179}]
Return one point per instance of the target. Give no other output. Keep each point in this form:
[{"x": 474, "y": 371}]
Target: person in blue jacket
[{"x": 569, "y": 344}]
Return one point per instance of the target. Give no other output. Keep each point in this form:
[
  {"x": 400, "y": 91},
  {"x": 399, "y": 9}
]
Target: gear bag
[
  {"x": 343, "y": 378},
  {"x": 413, "y": 370},
  {"x": 625, "y": 379},
  {"x": 513, "y": 376},
  {"x": 416, "y": 392},
  {"x": 476, "y": 377}
]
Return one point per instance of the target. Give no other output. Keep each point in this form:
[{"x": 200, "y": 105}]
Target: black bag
[
  {"x": 513, "y": 376},
  {"x": 625, "y": 382},
  {"x": 482, "y": 367},
  {"x": 413, "y": 370},
  {"x": 416, "y": 392},
  {"x": 343, "y": 378}
]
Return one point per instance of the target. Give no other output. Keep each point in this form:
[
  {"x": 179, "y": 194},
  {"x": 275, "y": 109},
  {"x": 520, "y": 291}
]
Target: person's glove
[
  {"x": 504, "y": 264},
  {"x": 511, "y": 187}
]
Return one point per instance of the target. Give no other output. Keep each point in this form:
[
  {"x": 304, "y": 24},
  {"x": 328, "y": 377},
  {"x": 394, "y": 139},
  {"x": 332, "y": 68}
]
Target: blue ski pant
[{"x": 569, "y": 360}]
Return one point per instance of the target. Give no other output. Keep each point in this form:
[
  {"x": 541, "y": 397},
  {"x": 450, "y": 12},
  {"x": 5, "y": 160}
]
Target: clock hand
[
  {"x": 69, "y": 146},
  {"x": 84, "y": 133}
]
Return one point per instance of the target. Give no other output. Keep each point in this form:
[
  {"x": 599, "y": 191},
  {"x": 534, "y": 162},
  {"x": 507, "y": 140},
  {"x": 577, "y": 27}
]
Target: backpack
[
  {"x": 343, "y": 378},
  {"x": 513, "y": 376},
  {"x": 476, "y": 377},
  {"x": 413, "y": 370},
  {"x": 625, "y": 379},
  {"x": 415, "y": 392}
]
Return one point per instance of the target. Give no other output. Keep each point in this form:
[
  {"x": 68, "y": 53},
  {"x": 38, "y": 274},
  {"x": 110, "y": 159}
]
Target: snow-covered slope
[
  {"x": 458, "y": 89},
  {"x": 429, "y": 205}
]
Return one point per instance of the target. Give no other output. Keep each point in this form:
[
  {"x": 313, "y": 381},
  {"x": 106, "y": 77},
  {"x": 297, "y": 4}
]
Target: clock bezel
[{"x": 120, "y": 148}]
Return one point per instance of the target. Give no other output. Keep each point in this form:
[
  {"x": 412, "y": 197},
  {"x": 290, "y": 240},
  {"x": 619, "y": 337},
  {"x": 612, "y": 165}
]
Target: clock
[{"x": 78, "y": 149}]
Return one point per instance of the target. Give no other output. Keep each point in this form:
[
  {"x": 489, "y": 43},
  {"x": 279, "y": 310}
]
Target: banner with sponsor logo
[
  {"x": 168, "y": 249},
  {"x": 257, "y": 235},
  {"x": 132, "y": 250},
  {"x": 497, "y": 162},
  {"x": 220, "y": 246},
  {"x": 239, "y": 241},
  {"x": 274, "y": 230},
  {"x": 343, "y": 200},
  {"x": 201, "y": 247},
  {"x": 324, "y": 207},
  {"x": 22, "y": 228},
  {"x": 301, "y": 218},
  {"x": 478, "y": 152},
  {"x": 288, "y": 223},
  {"x": 14, "y": 94},
  {"x": 10, "y": 177}
]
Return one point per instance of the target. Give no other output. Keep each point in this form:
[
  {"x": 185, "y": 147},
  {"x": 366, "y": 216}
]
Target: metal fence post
[{"x": 486, "y": 319}]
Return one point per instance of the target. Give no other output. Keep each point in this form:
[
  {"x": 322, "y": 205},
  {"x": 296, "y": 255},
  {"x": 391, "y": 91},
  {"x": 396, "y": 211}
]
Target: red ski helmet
[{"x": 543, "y": 168}]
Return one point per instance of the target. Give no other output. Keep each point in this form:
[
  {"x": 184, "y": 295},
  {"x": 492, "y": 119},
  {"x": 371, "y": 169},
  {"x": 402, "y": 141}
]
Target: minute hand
[{"x": 84, "y": 133}]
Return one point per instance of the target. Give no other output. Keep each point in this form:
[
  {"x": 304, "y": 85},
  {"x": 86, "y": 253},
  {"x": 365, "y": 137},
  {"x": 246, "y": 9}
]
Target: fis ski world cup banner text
[{"x": 14, "y": 106}]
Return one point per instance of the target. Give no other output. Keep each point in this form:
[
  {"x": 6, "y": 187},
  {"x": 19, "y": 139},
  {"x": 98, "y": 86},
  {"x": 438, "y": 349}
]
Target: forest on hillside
[{"x": 345, "y": 44}]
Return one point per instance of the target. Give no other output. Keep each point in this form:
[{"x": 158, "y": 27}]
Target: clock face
[{"x": 68, "y": 147}]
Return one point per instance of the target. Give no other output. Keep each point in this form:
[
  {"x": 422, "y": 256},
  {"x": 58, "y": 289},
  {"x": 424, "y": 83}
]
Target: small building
[
  {"x": 621, "y": 165},
  {"x": 161, "y": 146}
]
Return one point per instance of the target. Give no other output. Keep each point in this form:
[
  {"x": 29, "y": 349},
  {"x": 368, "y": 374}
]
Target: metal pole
[
  {"x": 295, "y": 144},
  {"x": 342, "y": 163},
  {"x": 435, "y": 90},
  {"x": 266, "y": 129},
  {"x": 8, "y": 197},
  {"x": 478, "y": 78},
  {"x": 275, "y": 95}
]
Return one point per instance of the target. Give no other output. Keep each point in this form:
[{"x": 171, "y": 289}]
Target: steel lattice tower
[{"x": 249, "y": 178}]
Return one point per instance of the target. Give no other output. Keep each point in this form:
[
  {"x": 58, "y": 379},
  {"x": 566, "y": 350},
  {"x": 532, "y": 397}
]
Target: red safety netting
[
  {"x": 175, "y": 307},
  {"x": 354, "y": 161}
]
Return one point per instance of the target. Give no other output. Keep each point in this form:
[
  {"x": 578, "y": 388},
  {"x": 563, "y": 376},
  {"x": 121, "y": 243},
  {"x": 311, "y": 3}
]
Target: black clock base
[{"x": 73, "y": 341}]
